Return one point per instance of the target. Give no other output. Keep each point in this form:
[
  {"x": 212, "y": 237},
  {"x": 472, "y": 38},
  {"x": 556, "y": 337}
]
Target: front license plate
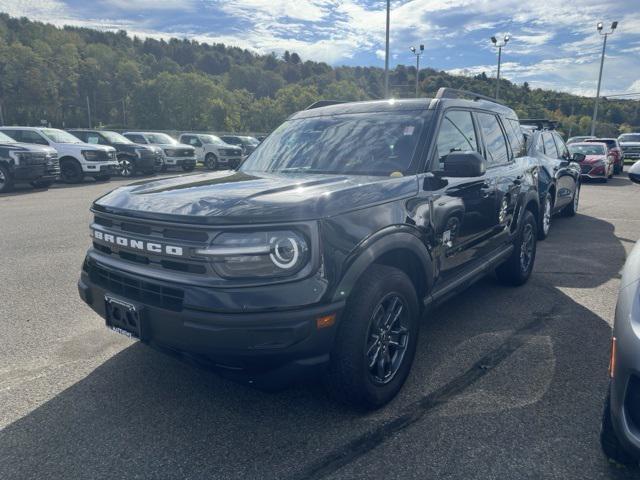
[{"x": 123, "y": 317}]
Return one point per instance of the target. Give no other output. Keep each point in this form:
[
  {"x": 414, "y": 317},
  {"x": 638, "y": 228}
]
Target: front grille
[
  {"x": 633, "y": 401},
  {"x": 631, "y": 149},
  {"x": 147, "y": 154},
  {"x": 132, "y": 288},
  {"x": 53, "y": 165},
  {"x": 35, "y": 158},
  {"x": 231, "y": 152},
  {"x": 186, "y": 238},
  {"x": 179, "y": 152},
  {"x": 101, "y": 156}
]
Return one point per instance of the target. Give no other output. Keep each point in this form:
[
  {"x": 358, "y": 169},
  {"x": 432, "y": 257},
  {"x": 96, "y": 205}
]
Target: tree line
[{"x": 63, "y": 76}]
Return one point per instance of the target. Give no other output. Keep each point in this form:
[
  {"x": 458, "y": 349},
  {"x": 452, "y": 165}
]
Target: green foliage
[{"x": 48, "y": 73}]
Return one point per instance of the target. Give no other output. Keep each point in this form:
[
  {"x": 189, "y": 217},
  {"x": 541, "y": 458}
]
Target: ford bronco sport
[{"x": 323, "y": 249}]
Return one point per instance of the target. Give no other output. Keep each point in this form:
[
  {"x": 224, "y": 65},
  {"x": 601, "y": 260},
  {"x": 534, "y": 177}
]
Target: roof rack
[
  {"x": 541, "y": 123},
  {"x": 323, "y": 103},
  {"x": 446, "y": 92}
]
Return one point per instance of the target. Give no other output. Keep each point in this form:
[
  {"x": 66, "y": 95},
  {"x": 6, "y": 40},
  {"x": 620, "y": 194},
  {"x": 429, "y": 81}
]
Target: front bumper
[
  {"x": 231, "y": 162},
  {"x": 30, "y": 173},
  {"x": 180, "y": 161},
  {"x": 101, "y": 168},
  {"x": 625, "y": 385},
  {"x": 589, "y": 171},
  {"x": 631, "y": 155},
  {"x": 266, "y": 348},
  {"x": 146, "y": 164}
]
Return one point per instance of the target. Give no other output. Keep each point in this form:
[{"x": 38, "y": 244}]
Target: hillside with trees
[{"x": 56, "y": 76}]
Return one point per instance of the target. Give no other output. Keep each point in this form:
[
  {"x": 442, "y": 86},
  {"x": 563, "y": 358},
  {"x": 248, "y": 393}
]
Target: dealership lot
[{"x": 507, "y": 383}]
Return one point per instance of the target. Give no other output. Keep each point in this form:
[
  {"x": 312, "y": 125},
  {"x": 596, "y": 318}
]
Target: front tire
[
  {"x": 517, "y": 269},
  {"x": 6, "y": 180},
  {"x": 127, "y": 167},
  {"x": 71, "y": 171},
  {"x": 544, "y": 226},
  {"x": 571, "y": 209},
  {"x": 376, "y": 340},
  {"x": 611, "y": 446},
  {"x": 211, "y": 161}
]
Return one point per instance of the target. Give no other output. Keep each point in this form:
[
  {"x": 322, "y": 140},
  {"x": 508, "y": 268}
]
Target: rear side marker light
[{"x": 326, "y": 321}]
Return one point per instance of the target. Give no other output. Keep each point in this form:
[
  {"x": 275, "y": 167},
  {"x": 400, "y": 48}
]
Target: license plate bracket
[{"x": 123, "y": 317}]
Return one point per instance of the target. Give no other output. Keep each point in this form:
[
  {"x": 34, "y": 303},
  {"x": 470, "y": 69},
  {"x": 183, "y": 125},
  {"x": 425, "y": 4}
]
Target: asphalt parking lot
[{"x": 508, "y": 382}]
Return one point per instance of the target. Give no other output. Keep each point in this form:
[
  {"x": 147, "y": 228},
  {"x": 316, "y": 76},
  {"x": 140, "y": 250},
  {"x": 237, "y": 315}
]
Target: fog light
[{"x": 326, "y": 321}]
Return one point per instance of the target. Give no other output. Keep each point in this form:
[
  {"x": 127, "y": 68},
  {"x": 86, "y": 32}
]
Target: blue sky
[{"x": 554, "y": 43}]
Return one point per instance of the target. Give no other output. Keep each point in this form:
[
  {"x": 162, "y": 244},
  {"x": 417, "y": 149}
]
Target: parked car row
[
  {"x": 628, "y": 144},
  {"x": 101, "y": 154}
]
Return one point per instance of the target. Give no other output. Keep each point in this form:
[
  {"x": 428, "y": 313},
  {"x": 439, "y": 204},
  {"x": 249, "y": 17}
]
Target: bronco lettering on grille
[{"x": 137, "y": 244}]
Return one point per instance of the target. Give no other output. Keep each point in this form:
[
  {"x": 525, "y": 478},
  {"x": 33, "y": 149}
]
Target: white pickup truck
[
  {"x": 212, "y": 151},
  {"x": 77, "y": 159},
  {"x": 174, "y": 154}
]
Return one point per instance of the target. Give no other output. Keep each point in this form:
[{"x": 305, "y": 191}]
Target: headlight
[
  {"x": 258, "y": 254},
  {"x": 90, "y": 155},
  {"x": 19, "y": 157}
]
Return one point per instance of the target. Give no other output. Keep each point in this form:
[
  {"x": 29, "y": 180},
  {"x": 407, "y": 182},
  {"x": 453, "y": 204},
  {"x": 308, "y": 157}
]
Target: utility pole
[
  {"x": 1, "y": 115},
  {"x": 124, "y": 114},
  {"x": 386, "y": 53},
  {"x": 89, "y": 111},
  {"x": 504, "y": 42},
  {"x": 604, "y": 46},
  {"x": 417, "y": 52}
]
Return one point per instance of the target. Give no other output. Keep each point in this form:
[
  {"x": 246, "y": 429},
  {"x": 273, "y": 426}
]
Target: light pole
[
  {"x": 504, "y": 42},
  {"x": 417, "y": 52},
  {"x": 386, "y": 53},
  {"x": 614, "y": 25}
]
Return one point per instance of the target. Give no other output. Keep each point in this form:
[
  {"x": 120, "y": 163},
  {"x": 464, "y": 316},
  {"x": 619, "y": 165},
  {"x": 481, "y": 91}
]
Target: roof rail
[
  {"x": 541, "y": 123},
  {"x": 446, "y": 92},
  {"x": 322, "y": 103}
]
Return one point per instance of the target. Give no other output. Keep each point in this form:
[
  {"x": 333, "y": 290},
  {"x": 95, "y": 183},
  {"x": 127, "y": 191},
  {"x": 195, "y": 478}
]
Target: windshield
[
  {"x": 380, "y": 143},
  {"x": 6, "y": 138},
  {"x": 211, "y": 139},
  {"x": 588, "y": 149},
  {"x": 629, "y": 137},
  {"x": 59, "y": 136},
  {"x": 114, "y": 137},
  {"x": 161, "y": 138}
]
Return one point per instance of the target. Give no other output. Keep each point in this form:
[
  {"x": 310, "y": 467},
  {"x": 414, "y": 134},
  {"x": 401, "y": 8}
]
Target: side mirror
[
  {"x": 464, "y": 164},
  {"x": 578, "y": 157},
  {"x": 634, "y": 172}
]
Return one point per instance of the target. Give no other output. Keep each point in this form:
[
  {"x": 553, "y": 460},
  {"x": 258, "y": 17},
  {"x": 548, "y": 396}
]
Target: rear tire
[
  {"x": 71, "y": 171},
  {"x": 6, "y": 180},
  {"x": 611, "y": 446},
  {"x": 518, "y": 267},
  {"x": 369, "y": 340},
  {"x": 544, "y": 225}
]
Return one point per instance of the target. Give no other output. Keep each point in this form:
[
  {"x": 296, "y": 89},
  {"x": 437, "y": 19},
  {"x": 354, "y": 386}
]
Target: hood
[
  {"x": 87, "y": 146},
  {"x": 170, "y": 146},
  {"x": 594, "y": 158},
  {"x": 629, "y": 144},
  {"x": 228, "y": 197},
  {"x": 28, "y": 147}
]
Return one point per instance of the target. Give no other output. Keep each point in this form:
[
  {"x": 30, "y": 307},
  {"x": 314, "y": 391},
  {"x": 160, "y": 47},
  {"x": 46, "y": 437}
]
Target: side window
[
  {"x": 456, "y": 134},
  {"x": 81, "y": 135},
  {"x": 549, "y": 145},
  {"x": 15, "y": 134},
  {"x": 497, "y": 151},
  {"x": 515, "y": 136},
  {"x": 93, "y": 138},
  {"x": 29, "y": 136},
  {"x": 562, "y": 147},
  {"x": 136, "y": 138},
  {"x": 539, "y": 145}
]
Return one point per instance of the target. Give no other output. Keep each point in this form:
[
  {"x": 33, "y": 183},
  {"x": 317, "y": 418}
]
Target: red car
[
  {"x": 614, "y": 150},
  {"x": 598, "y": 162}
]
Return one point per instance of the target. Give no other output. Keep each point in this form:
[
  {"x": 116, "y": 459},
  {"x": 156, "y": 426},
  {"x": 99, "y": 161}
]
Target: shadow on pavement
[{"x": 507, "y": 383}]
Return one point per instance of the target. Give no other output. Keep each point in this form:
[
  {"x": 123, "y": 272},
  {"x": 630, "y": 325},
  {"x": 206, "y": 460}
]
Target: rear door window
[
  {"x": 495, "y": 142},
  {"x": 562, "y": 147},
  {"x": 457, "y": 134},
  {"x": 515, "y": 136},
  {"x": 549, "y": 145}
]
